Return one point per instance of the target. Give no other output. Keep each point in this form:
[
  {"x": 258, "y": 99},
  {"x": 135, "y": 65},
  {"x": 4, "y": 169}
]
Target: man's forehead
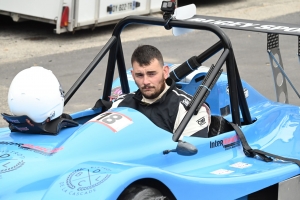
[{"x": 145, "y": 68}]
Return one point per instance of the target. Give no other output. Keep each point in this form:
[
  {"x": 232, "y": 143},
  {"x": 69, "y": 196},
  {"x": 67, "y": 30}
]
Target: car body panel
[
  {"x": 135, "y": 151},
  {"x": 112, "y": 149}
]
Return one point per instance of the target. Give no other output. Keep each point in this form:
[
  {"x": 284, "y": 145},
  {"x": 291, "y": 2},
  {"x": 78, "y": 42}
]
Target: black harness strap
[
  {"x": 102, "y": 103},
  {"x": 265, "y": 156},
  {"x": 278, "y": 157}
]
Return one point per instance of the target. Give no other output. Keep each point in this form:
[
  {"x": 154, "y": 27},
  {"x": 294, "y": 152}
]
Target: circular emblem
[
  {"x": 10, "y": 161},
  {"x": 84, "y": 180}
]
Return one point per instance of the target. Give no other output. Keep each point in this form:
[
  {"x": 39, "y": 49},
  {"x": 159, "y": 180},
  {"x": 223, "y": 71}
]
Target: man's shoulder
[
  {"x": 181, "y": 94},
  {"x": 121, "y": 99},
  {"x": 123, "y": 96},
  {"x": 182, "y": 97}
]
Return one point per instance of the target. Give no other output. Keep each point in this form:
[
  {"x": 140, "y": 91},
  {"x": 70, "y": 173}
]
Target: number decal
[
  {"x": 114, "y": 121},
  {"x": 112, "y": 118}
]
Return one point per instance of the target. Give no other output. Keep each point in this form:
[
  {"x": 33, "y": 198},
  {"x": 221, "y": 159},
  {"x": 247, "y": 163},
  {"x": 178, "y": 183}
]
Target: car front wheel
[{"x": 140, "y": 192}]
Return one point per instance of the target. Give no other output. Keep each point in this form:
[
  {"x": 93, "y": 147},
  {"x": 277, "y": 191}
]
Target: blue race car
[{"x": 251, "y": 152}]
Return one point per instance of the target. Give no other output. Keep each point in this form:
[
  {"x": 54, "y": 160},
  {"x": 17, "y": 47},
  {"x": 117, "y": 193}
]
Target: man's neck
[{"x": 150, "y": 101}]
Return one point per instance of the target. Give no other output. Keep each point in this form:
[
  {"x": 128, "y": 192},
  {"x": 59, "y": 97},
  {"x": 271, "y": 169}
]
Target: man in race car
[{"x": 158, "y": 98}]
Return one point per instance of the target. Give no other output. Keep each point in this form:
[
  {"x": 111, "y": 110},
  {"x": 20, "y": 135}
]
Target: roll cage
[
  {"x": 273, "y": 30},
  {"x": 114, "y": 47}
]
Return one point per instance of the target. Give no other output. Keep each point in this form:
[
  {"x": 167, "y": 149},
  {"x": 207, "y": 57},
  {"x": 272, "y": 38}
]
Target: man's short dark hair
[{"x": 144, "y": 54}]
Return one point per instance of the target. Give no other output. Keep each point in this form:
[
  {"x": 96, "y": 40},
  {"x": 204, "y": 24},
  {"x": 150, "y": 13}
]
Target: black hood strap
[{"x": 265, "y": 156}]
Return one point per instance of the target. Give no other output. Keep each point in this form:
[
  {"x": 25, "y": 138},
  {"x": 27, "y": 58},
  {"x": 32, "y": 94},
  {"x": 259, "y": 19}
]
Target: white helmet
[{"x": 37, "y": 93}]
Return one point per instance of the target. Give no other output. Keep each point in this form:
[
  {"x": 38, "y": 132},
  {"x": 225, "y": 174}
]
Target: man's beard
[{"x": 156, "y": 93}]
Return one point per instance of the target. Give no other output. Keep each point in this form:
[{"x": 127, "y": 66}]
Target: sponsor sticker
[
  {"x": 84, "y": 180},
  {"x": 201, "y": 121},
  {"x": 115, "y": 93},
  {"x": 34, "y": 148},
  {"x": 42, "y": 149},
  {"x": 245, "y": 24},
  {"x": 185, "y": 102},
  {"x": 222, "y": 172},
  {"x": 13, "y": 120},
  {"x": 226, "y": 143},
  {"x": 21, "y": 128},
  {"x": 246, "y": 92},
  {"x": 240, "y": 165},
  {"x": 10, "y": 161}
]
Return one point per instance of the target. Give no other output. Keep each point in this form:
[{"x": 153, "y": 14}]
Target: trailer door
[{"x": 100, "y": 12}]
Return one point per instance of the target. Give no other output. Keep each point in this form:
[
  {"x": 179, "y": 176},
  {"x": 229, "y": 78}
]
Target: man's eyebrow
[
  {"x": 138, "y": 73},
  {"x": 150, "y": 72}
]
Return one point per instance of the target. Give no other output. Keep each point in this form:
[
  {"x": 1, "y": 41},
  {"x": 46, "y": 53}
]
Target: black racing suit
[{"x": 168, "y": 111}]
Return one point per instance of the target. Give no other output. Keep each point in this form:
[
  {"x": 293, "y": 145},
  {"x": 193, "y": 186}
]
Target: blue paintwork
[{"x": 93, "y": 162}]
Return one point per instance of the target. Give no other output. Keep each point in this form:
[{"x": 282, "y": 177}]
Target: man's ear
[
  {"x": 132, "y": 73},
  {"x": 166, "y": 70}
]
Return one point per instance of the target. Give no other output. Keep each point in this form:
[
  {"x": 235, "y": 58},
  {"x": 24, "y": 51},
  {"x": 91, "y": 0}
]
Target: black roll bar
[
  {"x": 89, "y": 69},
  {"x": 197, "y": 101},
  {"x": 114, "y": 46},
  {"x": 230, "y": 63}
]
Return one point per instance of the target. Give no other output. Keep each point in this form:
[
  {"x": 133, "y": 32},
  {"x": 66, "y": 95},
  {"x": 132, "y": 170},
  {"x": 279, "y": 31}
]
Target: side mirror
[
  {"x": 183, "y": 148},
  {"x": 186, "y": 149}
]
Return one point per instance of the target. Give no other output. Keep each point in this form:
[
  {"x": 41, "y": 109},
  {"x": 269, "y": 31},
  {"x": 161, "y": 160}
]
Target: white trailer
[{"x": 71, "y": 15}]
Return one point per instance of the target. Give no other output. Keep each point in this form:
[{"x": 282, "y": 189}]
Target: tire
[{"x": 140, "y": 192}]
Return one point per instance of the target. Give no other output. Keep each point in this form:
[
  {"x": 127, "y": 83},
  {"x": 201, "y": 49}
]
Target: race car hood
[
  {"x": 37, "y": 160},
  {"x": 37, "y": 166}
]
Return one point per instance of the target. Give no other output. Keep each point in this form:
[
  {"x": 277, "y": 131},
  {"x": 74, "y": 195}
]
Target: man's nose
[{"x": 146, "y": 80}]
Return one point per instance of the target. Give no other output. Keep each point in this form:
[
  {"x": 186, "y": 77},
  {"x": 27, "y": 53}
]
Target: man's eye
[
  {"x": 151, "y": 74},
  {"x": 139, "y": 75}
]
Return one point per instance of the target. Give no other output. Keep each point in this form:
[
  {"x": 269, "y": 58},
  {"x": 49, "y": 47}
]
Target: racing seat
[{"x": 218, "y": 125}]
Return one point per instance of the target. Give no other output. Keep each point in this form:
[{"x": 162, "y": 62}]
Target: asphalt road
[{"x": 67, "y": 55}]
